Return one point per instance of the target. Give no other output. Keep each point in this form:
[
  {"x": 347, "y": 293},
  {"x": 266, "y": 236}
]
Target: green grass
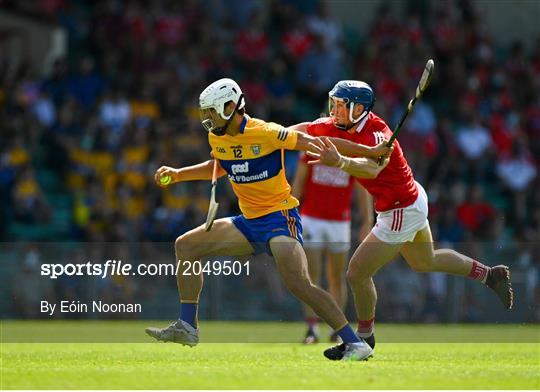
[{"x": 436, "y": 365}]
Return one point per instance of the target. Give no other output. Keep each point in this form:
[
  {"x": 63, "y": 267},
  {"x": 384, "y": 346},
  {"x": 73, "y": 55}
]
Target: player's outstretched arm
[
  {"x": 307, "y": 142},
  {"x": 327, "y": 154},
  {"x": 304, "y": 142},
  {"x": 351, "y": 149},
  {"x": 201, "y": 171},
  {"x": 300, "y": 127}
]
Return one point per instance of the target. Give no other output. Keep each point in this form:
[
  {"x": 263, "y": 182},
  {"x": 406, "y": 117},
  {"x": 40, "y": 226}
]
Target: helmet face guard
[
  {"x": 210, "y": 117},
  {"x": 213, "y": 101},
  {"x": 351, "y": 92},
  {"x": 350, "y": 107}
]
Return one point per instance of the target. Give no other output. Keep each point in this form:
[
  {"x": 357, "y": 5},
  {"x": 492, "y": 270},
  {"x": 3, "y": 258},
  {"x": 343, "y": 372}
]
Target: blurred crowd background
[{"x": 81, "y": 138}]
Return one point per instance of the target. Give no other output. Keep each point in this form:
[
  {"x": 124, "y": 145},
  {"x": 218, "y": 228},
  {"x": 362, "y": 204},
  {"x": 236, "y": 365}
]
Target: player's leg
[
  {"x": 292, "y": 266},
  {"x": 421, "y": 256},
  {"x": 191, "y": 247},
  {"x": 369, "y": 257},
  {"x": 314, "y": 261},
  {"x": 335, "y": 276},
  {"x": 312, "y": 233},
  {"x": 338, "y": 234},
  {"x": 199, "y": 243}
]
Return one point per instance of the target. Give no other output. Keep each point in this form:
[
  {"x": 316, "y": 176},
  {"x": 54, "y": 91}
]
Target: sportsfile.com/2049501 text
[{"x": 120, "y": 268}]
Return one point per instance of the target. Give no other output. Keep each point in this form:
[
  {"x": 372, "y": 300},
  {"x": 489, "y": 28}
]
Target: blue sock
[
  {"x": 347, "y": 334},
  {"x": 188, "y": 313}
]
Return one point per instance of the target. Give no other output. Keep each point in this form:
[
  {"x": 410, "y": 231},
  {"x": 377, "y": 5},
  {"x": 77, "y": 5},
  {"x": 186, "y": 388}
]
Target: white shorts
[
  {"x": 321, "y": 233},
  {"x": 401, "y": 224}
]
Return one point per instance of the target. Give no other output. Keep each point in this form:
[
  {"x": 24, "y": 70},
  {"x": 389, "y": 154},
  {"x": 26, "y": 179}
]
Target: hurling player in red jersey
[
  {"x": 402, "y": 209},
  {"x": 325, "y": 195}
]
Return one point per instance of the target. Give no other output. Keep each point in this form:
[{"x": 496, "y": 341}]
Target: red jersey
[
  {"x": 327, "y": 191},
  {"x": 394, "y": 187}
]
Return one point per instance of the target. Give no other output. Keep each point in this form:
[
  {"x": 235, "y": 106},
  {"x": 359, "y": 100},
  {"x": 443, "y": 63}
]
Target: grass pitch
[{"x": 500, "y": 364}]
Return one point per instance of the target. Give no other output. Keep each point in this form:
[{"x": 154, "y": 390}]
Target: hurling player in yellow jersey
[{"x": 250, "y": 152}]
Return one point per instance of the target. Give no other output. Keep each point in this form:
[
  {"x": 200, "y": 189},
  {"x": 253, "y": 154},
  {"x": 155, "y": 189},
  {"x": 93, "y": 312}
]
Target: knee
[
  {"x": 184, "y": 247},
  {"x": 178, "y": 242}
]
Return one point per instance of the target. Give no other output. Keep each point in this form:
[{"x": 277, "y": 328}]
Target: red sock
[
  {"x": 478, "y": 271},
  {"x": 365, "y": 327},
  {"x": 312, "y": 322}
]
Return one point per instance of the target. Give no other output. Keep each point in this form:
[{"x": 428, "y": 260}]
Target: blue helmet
[{"x": 352, "y": 92}]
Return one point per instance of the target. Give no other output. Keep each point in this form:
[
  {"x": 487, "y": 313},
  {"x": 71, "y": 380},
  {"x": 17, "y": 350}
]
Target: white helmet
[{"x": 212, "y": 103}]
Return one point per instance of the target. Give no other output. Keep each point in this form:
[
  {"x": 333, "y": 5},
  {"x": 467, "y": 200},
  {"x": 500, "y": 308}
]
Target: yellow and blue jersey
[{"x": 254, "y": 162}]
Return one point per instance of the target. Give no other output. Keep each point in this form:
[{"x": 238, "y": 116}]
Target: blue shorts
[{"x": 259, "y": 231}]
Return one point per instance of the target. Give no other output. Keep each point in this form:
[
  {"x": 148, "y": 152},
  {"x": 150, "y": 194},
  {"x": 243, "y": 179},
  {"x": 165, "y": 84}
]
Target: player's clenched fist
[
  {"x": 165, "y": 176},
  {"x": 381, "y": 150}
]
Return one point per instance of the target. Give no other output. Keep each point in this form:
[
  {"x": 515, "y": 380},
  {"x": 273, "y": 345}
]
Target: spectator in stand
[
  {"x": 517, "y": 170},
  {"x": 450, "y": 229},
  {"x": 475, "y": 213},
  {"x": 318, "y": 72},
  {"x": 296, "y": 41},
  {"x": 256, "y": 91},
  {"x": 87, "y": 85},
  {"x": 422, "y": 121},
  {"x": 114, "y": 111},
  {"x": 322, "y": 24},
  {"x": 29, "y": 202},
  {"x": 473, "y": 139},
  {"x": 253, "y": 44},
  {"x": 44, "y": 110},
  {"x": 280, "y": 93},
  {"x": 476, "y": 146},
  {"x": 532, "y": 119},
  {"x": 56, "y": 85}
]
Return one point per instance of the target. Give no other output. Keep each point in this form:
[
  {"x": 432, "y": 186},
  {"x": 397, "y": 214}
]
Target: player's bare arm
[
  {"x": 305, "y": 142},
  {"x": 345, "y": 147},
  {"x": 200, "y": 171},
  {"x": 327, "y": 154},
  {"x": 300, "y": 127},
  {"x": 351, "y": 149}
]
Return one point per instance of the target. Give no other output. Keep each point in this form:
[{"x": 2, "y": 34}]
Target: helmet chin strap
[{"x": 222, "y": 130}]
